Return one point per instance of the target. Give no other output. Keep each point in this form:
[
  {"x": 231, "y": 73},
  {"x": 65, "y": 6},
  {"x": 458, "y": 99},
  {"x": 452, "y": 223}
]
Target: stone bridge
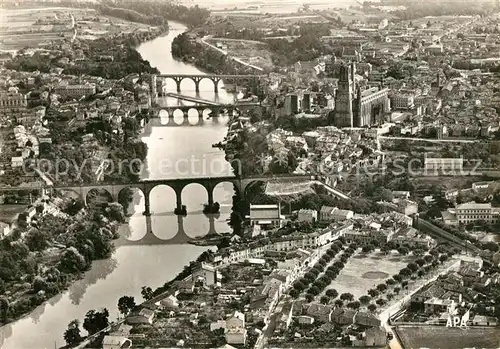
[
  {"x": 214, "y": 110},
  {"x": 178, "y": 185},
  {"x": 235, "y": 79}
]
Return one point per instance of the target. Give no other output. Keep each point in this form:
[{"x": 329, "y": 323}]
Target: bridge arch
[
  {"x": 128, "y": 197},
  {"x": 98, "y": 196},
  {"x": 163, "y": 199},
  {"x": 164, "y": 116}
]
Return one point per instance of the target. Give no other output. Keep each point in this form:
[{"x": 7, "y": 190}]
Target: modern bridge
[
  {"x": 215, "y": 78},
  {"x": 190, "y": 99}
]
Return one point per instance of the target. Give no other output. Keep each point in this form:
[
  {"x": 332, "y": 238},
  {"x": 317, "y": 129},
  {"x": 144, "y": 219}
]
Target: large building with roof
[{"x": 355, "y": 107}]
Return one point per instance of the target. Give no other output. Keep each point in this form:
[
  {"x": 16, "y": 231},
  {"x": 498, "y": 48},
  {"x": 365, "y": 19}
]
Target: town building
[
  {"x": 355, "y": 107},
  {"x": 305, "y": 215},
  {"x": 144, "y": 316},
  {"x": 12, "y": 101},
  {"x": 116, "y": 342},
  {"x": 235, "y": 331},
  {"x": 266, "y": 216},
  {"x": 206, "y": 274},
  {"x": 471, "y": 212},
  {"x": 436, "y": 165},
  {"x": 75, "y": 91}
]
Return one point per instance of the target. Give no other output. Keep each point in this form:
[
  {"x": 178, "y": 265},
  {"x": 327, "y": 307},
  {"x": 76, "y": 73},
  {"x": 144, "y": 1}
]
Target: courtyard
[{"x": 365, "y": 271}]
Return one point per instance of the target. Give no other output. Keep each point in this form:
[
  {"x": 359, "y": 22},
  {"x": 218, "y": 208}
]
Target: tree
[
  {"x": 381, "y": 287},
  {"x": 443, "y": 258},
  {"x": 368, "y": 248},
  {"x": 390, "y": 282},
  {"x": 365, "y": 299},
  {"x": 126, "y": 304},
  {"x": 396, "y": 290},
  {"x": 413, "y": 267},
  {"x": 325, "y": 300},
  {"x": 96, "y": 321},
  {"x": 372, "y": 307},
  {"x": 36, "y": 240},
  {"x": 354, "y": 305},
  {"x": 380, "y": 301},
  {"x": 72, "y": 261},
  {"x": 403, "y": 251},
  {"x": 346, "y": 296},
  {"x": 418, "y": 252},
  {"x": 147, "y": 293},
  {"x": 339, "y": 303},
  {"x": 332, "y": 293},
  {"x": 373, "y": 293},
  {"x": 72, "y": 334}
]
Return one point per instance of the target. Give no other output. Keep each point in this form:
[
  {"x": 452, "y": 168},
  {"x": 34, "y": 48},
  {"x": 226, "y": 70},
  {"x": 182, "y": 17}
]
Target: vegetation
[
  {"x": 40, "y": 260},
  {"x": 204, "y": 57}
]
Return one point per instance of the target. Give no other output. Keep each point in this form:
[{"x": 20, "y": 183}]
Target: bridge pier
[
  {"x": 147, "y": 206},
  {"x": 178, "y": 81},
  {"x": 215, "y": 80},
  {"x": 197, "y": 80}
]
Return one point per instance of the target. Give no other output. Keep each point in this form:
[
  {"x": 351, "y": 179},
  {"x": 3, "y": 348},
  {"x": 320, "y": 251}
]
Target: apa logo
[{"x": 456, "y": 321}]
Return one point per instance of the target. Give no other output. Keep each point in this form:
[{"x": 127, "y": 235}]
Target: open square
[{"x": 363, "y": 272}]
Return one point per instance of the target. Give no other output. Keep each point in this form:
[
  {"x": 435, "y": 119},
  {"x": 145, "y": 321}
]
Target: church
[{"x": 355, "y": 107}]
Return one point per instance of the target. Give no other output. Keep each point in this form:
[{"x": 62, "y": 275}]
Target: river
[{"x": 188, "y": 151}]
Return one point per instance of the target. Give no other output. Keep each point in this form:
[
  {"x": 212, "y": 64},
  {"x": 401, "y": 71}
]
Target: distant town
[{"x": 270, "y": 175}]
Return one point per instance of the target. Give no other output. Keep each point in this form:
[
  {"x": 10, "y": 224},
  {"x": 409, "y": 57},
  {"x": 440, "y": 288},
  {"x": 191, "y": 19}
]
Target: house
[
  {"x": 481, "y": 320},
  {"x": 326, "y": 213},
  {"x": 267, "y": 216},
  {"x": 342, "y": 215},
  {"x": 144, "y": 316},
  {"x": 235, "y": 329},
  {"x": 170, "y": 302},
  {"x": 4, "y": 229},
  {"x": 206, "y": 274},
  {"x": 306, "y": 320},
  {"x": 116, "y": 342},
  {"x": 436, "y": 305},
  {"x": 306, "y": 215},
  {"x": 320, "y": 312},
  {"x": 30, "y": 213},
  {"x": 217, "y": 325},
  {"x": 375, "y": 337},
  {"x": 343, "y": 316},
  {"x": 401, "y": 195},
  {"x": 366, "y": 319},
  {"x": 16, "y": 161},
  {"x": 286, "y": 317},
  {"x": 122, "y": 330},
  {"x": 236, "y": 321},
  {"x": 236, "y": 336}
]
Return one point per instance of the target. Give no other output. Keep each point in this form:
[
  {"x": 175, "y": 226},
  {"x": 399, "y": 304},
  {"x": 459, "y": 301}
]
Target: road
[
  {"x": 432, "y": 140},
  {"x": 333, "y": 191},
  {"x": 394, "y": 308},
  {"x": 225, "y": 53}
]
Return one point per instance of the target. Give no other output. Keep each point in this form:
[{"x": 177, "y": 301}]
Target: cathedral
[{"x": 355, "y": 107}]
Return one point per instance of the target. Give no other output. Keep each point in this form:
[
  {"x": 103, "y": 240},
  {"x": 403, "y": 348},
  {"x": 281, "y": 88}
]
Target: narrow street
[{"x": 394, "y": 308}]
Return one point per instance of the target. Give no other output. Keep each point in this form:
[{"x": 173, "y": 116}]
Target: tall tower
[{"x": 343, "y": 98}]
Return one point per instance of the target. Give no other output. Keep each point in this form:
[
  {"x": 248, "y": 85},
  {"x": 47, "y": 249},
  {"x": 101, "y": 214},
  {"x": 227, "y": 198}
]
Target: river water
[{"x": 188, "y": 153}]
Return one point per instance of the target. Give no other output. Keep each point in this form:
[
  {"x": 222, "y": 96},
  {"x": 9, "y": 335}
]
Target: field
[
  {"x": 442, "y": 337},
  {"x": 358, "y": 275},
  {"x": 37, "y": 27}
]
